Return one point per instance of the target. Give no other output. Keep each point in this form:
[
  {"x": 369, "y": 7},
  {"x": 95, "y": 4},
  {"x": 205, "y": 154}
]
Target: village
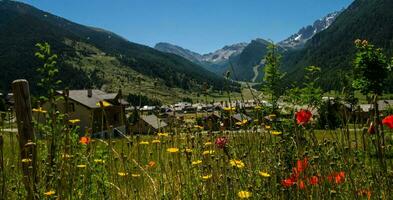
[{"x": 109, "y": 115}]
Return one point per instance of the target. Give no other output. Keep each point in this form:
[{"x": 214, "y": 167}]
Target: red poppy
[
  {"x": 388, "y": 121},
  {"x": 337, "y": 177},
  {"x": 314, "y": 180},
  {"x": 221, "y": 142},
  {"x": 84, "y": 140},
  {"x": 303, "y": 117},
  {"x": 371, "y": 129},
  {"x": 301, "y": 185},
  {"x": 288, "y": 182},
  {"x": 301, "y": 165}
]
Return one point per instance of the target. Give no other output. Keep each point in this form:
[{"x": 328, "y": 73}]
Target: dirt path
[{"x": 256, "y": 71}]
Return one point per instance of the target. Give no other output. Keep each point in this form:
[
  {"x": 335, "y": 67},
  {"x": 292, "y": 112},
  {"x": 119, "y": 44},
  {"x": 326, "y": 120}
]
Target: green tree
[
  {"x": 273, "y": 76},
  {"x": 370, "y": 68},
  {"x": 370, "y": 72},
  {"x": 48, "y": 71}
]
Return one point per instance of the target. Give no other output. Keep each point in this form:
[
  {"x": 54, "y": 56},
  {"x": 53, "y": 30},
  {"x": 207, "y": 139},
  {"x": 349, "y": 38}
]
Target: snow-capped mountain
[
  {"x": 218, "y": 56},
  {"x": 225, "y": 53},
  {"x": 300, "y": 38}
]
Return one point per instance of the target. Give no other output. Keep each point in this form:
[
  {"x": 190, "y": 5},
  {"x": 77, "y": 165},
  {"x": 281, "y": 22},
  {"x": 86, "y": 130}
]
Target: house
[
  {"x": 148, "y": 124},
  {"x": 96, "y": 110},
  {"x": 212, "y": 121}
]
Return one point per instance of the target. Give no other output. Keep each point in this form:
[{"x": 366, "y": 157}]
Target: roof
[
  {"x": 81, "y": 96},
  {"x": 241, "y": 117},
  {"x": 153, "y": 121}
]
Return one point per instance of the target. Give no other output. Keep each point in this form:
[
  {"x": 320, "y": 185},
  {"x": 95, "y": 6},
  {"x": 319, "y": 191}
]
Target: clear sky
[{"x": 199, "y": 25}]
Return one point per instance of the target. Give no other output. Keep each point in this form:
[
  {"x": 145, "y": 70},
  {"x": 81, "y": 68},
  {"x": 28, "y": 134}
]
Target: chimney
[{"x": 89, "y": 93}]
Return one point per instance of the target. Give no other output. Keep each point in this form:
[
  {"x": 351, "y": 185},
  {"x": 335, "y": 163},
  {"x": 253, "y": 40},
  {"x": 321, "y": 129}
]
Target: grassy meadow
[{"x": 280, "y": 160}]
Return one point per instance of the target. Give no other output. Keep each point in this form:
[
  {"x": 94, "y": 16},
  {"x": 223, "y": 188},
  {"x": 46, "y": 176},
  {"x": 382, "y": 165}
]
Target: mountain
[
  {"x": 91, "y": 57},
  {"x": 185, "y": 53},
  {"x": 333, "y": 49},
  {"x": 216, "y": 62},
  {"x": 222, "y": 55},
  {"x": 298, "y": 40}
]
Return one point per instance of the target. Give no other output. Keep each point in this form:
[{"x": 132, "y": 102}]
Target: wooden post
[{"x": 28, "y": 153}]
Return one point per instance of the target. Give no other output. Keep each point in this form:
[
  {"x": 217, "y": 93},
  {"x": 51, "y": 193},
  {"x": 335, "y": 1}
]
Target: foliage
[
  {"x": 311, "y": 93},
  {"x": 370, "y": 68},
  {"x": 333, "y": 50},
  {"x": 273, "y": 76},
  {"x": 134, "y": 100},
  {"x": 48, "y": 71}
]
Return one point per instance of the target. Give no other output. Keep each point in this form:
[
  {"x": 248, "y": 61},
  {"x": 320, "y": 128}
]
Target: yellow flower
[
  {"x": 237, "y": 163},
  {"x": 74, "y": 121},
  {"x": 276, "y": 133},
  {"x": 39, "y": 110},
  {"x": 50, "y": 193},
  {"x": 104, "y": 104},
  {"x": 156, "y": 141},
  {"x": 122, "y": 173},
  {"x": 198, "y": 127},
  {"x": 188, "y": 150},
  {"x": 143, "y": 142},
  {"x": 163, "y": 134},
  {"x": 229, "y": 109},
  {"x": 135, "y": 175},
  {"x": 207, "y": 176},
  {"x": 26, "y": 160},
  {"x": 207, "y": 152},
  {"x": 81, "y": 166},
  {"x": 197, "y": 162},
  {"x": 208, "y": 143},
  {"x": 99, "y": 161},
  {"x": 268, "y": 127},
  {"x": 172, "y": 150},
  {"x": 244, "y": 194},
  {"x": 264, "y": 174},
  {"x": 272, "y": 116},
  {"x": 66, "y": 156}
]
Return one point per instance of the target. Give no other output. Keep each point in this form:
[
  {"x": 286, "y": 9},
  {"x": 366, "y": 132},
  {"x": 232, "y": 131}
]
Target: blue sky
[{"x": 199, "y": 25}]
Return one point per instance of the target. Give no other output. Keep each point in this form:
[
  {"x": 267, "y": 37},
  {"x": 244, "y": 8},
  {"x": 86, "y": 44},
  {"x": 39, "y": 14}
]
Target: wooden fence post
[{"x": 26, "y": 138}]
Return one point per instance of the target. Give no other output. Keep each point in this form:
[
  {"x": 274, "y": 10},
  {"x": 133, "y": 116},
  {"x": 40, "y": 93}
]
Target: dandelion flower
[
  {"x": 229, "y": 109},
  {"x": 156, "y": 141},
  {"x": 237, "y": 163},
  {"x": 244, "y": 194},
  {"x": 135, "y": 175},
  {"x": 207, "y": 177},
  {"x": 197, "y": 162},
  {"x": 188, "y": 150},
  {"x": 172, "y": 150},
  {"x": 39, "y": 110},
  {"x": 81, "y": 166},
  {"x": 74, "y": 121},
  {"x": 50, "y": 193},
  {"x": 208, "y": 143},
  {"x": 276, "y": 132},
  {"x": 267, "y": 127},
  {"x": 163, "y": 134},
  {"x": 26, "y": 160},
  {"x": 207, "y": 152},
  {"x": 122, "y": 174},
  {"x": 198, "y": 127},
  {"x": 264, "y": 174},
  {"x": 99, "y": 161},
  {"x": 144, "y": 143}
]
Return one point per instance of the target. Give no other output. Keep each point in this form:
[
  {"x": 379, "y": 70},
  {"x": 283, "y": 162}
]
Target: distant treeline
[{"x": 135, "y": 99}]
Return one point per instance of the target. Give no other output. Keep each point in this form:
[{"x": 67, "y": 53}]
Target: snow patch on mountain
[{"x": 300, "y": 38}]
